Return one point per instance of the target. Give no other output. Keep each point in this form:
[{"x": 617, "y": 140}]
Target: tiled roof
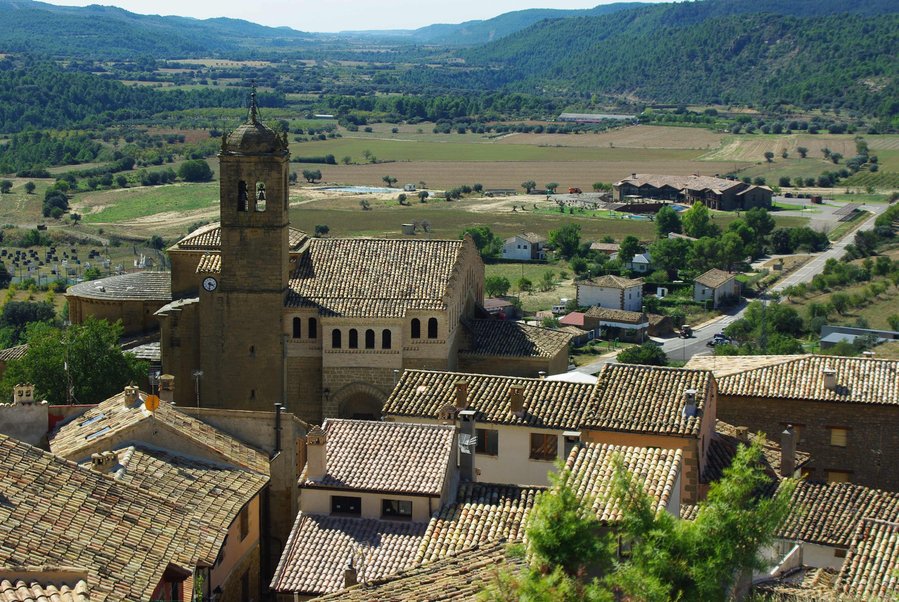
[
  {"x": 610, "y": 281},
  {"x": 549, "y": 404},
  {"x": 681, "y": 182},
  {"x": 871, "y": 569},
  {"x": 459, "y": 577},
  {"x": 482, "y": 513},
  {"x": 319, "y": 548},
  {"x": 138, "y": 286},
  {"x": 807, "y": 584},
  {"x": 605, "y": 247},
  {"x": 575, "y": 318},
  {"x": 531, "y": 237},
  {"x": 210, "y": 263},
  {"x": 53, "y": 512},
  {"x": 378, "y": 277},
  {"x": 713, "y": 278},
  {"x": 209, "y": 238},
  {"x": 725, "y": 365},
  {"x": 858, "y": 380},
  {"x": 49, "y": 590},
  {"x": 689, "y": 511},
  {"x": 503, "y": 338},
  {"x": 606, "y": 314},
  {"x": 829, "y": 514},
  {"x": 648, "y": 399},
  {"x": 148, "y": 351},
  {"x": 723, "y": 448},
  {"x": 112, "y": 418},
  {"x": 592, "y": 467},
  {"x": 13, "y": 353},
  {"x": 214, "y": 492},
  {"x": 386, "y": 456}
]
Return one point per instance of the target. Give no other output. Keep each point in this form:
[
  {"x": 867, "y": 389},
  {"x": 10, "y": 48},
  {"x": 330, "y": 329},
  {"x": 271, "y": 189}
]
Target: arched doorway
[{"x": 360, "y": 401}]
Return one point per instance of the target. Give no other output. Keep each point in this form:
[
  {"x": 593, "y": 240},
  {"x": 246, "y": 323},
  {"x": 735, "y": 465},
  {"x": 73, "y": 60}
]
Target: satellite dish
[
  {"x": 467, "y": 443},
  {"x": 151, "y": 403}
]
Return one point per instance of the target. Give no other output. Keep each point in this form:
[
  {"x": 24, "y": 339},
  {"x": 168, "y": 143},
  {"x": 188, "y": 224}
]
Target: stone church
[{"x": 269, "y": 314}]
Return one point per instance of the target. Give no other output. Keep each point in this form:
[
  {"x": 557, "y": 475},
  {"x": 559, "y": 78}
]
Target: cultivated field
[{"x": 640, "y": 136}]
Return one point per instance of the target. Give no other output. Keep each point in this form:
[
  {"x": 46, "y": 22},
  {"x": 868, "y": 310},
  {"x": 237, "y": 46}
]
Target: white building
[
  {"x": 525, "y": 247},
  {"x": 715, "y": 284},
  {"x": 612, "y": 292}
]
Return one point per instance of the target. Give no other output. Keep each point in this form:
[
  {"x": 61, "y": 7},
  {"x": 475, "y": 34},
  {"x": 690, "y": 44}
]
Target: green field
[{"x": 114, "y": 206}]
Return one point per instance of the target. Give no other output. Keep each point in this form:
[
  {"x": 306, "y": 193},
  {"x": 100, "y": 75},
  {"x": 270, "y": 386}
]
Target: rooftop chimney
[
  {"x": 462, "y": 394},
  {"x": 350, "y": 576},
  {"x": 689, "y": 403},
  {"x": 516, "y": 400},
  {"x": 102, "y": 462},
  {"x": 788, "y": 452},
  {"x": 742, "y": 433},
  {"x": 167, "y": 388},
  {"x": 830, "y": 379},
  {"x": 23, "y": 394},
  {"x": 542, "y": 375},
  {"x": 132, "y": 396},
  {"x": 316, "y": 454},
  {"x": 467, "y": 431},
  {"x": 634, "y": 176}
]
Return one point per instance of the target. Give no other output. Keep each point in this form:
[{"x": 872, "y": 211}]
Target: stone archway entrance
[{"x": 360, "y": 401}]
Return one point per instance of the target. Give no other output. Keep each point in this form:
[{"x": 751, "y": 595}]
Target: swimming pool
[{"x": 362, "y": 189}]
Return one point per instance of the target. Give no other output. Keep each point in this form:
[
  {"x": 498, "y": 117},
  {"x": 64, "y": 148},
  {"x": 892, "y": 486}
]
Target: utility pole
[{"x": 197, "y": 374}]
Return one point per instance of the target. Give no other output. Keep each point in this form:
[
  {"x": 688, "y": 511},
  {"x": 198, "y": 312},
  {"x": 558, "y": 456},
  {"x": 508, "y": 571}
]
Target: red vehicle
[{"x": 574, "y": 190}]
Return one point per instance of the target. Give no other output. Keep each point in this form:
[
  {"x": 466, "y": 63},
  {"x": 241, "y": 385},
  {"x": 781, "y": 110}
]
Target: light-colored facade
[
  {"x": 611, "y": 291},
  {"x": 525, "y": 247},
  {"x": 715, "y": 285}
]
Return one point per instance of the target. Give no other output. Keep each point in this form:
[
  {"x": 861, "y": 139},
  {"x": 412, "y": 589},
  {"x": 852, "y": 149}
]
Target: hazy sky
[{"x": 338, "y": 15}]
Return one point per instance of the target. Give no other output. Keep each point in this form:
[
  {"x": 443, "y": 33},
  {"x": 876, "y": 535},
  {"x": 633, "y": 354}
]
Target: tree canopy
[{"x": 566, "y": 240}]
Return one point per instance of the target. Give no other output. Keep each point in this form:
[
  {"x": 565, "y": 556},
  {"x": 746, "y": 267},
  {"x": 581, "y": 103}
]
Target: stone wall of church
[
  {"x": 344, "y": 385},
  {"x": 304, "y": 388}
]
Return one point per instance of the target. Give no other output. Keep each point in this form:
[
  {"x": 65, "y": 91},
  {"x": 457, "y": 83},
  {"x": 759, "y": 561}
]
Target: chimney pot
[
  {"x": 743, "y": 433},
  {"x": 830, "y": 379},
  {"x": 316, "y": 454},
  {"x": 462, "y": 394},
  {"x": 23, "y": 394},
  {"x": 167, "y": 388},
  {"x": 516, "y": 400},
  {"x": 101, "y": 462},
  {"x": 689, "y": 403},
  {"x": 542, "y": 375},
  {"x": 350, "y": 576},
  {"x": 788, "y": 452},
  {"x": 132, "y": 395}
]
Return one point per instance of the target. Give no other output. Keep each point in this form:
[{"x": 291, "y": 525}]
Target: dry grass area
[
  {"x": 887, "y": 351},
  {"x": 638, "y": 136},
  {"x": 752, "y": 147}
]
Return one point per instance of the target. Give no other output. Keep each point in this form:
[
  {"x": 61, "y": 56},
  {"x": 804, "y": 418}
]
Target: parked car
[{"x": 686, "y": 332}]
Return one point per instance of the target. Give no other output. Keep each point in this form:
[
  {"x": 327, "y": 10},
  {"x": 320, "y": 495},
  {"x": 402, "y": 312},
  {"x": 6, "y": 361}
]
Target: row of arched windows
[
  {"x": 432, "y": 328},
  {"x": 298, "y": 328},
  {"x": 353, "y": 339}
]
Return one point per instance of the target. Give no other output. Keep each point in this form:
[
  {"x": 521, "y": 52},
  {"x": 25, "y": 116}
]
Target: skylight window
[
  {"x": 92, "y": 420},
  {"x": 99, "y": 433}
]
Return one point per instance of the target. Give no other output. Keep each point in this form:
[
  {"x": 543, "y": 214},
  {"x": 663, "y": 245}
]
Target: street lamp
[{"x": 197, "y": 374}]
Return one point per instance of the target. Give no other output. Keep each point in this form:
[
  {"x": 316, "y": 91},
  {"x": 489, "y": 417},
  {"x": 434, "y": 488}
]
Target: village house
[
  {"x": 714, "y": 192},
  {"x": 606, "y": 248},
  {"x": 612, "y": 324},
  {"x": 641, "y": 263},
  {"x": 525, "y": 247},
  {"x": 613, "y": 292},
  {"x": 845, "y": 410},
  {"x": 717, "y": 286}
]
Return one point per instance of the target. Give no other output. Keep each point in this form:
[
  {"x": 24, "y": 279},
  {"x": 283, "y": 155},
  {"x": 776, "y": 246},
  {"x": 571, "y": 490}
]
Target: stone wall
[
  {"x": 137, "y": 316},
  {"x": 26, "y": 422},
  {"x": 872, "y": 447}
]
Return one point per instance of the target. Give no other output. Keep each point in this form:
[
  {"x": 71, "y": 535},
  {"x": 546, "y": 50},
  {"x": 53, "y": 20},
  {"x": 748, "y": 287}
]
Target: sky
[{"x": 337, "y": 15}]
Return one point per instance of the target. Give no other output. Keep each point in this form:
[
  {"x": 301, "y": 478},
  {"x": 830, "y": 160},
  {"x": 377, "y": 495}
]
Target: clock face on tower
[{"x": 210, "y": 283}]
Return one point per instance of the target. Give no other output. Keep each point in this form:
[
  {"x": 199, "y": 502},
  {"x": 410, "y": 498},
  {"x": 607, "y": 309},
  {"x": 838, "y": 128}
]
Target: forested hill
[
  {"x": 112, "y": 33},
  {"x": 692, "y": 52}
]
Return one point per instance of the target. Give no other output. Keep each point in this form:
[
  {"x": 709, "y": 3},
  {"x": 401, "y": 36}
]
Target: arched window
[
  {"x": 432, "y": 328},
  {"x": 369, "y": 339},
  {"x": 385, "y": 339},
  {"x": 416, "y": 328},
  {"x": 242, "y": 196},
  {"x": 354, "y": 338},
  {"x": 260, "y": 196},
  {"x": 313, "y": 328},
  {"x": 297, "y": 328},
  {"x": 335, "y": 338}
]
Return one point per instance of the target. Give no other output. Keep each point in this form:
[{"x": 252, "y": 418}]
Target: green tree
[
  {"x": 488, "y": 244},
  {"x": 670, "y": 254},
  {"x": 697, "y": 221},
  {"x": 893, "y": 321},
  {"x": 667, "y": 220},
  {"x": 195, "y": 170},
  {"x": 497, "y": 286},
  {"x": 769, "y": 156},
  {"x": 97, "y": 366},
  {"x": 647, "y": 353},
  {"x": 566, "y": 240},
  {"x": 551, "y": 187},
  {"x": 91, "y": 273},
  {"x": 803, "y": 151},
  {"x": 529, "y": 185},
  {"x": 629, "y": 247},
  {"x": 548, "y": 281},
  {"x": 5, "y": 186},
  {"x": 836, "y": 157},
  {"x": 312, "y": 175},
  {"x": 732, "y": 250},
  {"x": 423, "y": 196},
  {"x": 29, "y": 187},
  {"x": 760, "y": 221},
  {"x": 156, "y": 242},
  {"x": 389, "y": 180},
  {"x": 524, "y": 284},
  {"x": 17, "y": 315},
  {"x": 321, "y": 230}
]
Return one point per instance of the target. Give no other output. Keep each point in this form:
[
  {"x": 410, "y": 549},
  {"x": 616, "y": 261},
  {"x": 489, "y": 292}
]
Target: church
[{"x": 259, "y": 312}]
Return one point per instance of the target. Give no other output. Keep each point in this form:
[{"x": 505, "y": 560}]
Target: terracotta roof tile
[
  {"x": 723, "y": 448},
  {"x": 319, "y": 548},
  {"x": 549, "y": 404},
  {"x": 13, "y": 353},
  {"x": 52, "y": 513},
  {"x": 605, "y": 247},
  {"x": 139, "y": 286},
  {"x": 386, "y": 456},
  {"x": 829, "y": 514},
  {"x": 682, "y": 182},
  {"x": 725, "y": 365},
  {"x": 858, "y": 380},
  {"x": 503, "y": 338},
  {"x": 606, "y": 314},
  {"x": 713, "y": 278},
  {"x": 458, "y": 577},
  {"x": 648, "y": 399},
  {"x": 113, "y": 417},
  {"x": 592, "y": 467},
  {"x": 209, "y": 238},
  {"x": 807, "y": 584},
  {"x": 210, "y": 263},
  {"x": 610, "y": 281},
  {"x": 871, "y": 569},
  {"x": 482, "y": 513},
  {"x": 44, "y": 590}
]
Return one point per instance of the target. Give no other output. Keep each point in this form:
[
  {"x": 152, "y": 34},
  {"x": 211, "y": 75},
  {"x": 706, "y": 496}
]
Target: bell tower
[{"x": 242, "y": 305}]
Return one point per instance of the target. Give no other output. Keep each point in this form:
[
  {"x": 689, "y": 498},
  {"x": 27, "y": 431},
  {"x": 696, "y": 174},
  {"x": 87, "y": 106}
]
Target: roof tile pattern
[
  {"x": 319, "y": 548},
  {"x": 209, "y": 238},
  {"x": 723, "y": 448},
  {"x": 13, "y": 353},
  {"x": 112, "y": 417},
  {"x": 592, "y": 467},
  {"x": 610, "y": 281},
  {"x": 871, "y": 570},
  {"x": 681, "y": 182},
  {"x": 713, "y": 278},
  {"x": 210, "y": 263},
  {"x": 648, "y": 399},
  {"x": 550, "y": 404},
  {"x": 459, "y": 577},
  {"x": 30, "y": 590},
  {"x": 858, "y": 380},
  {"x": 501, "y": 338},
  {"x": 616, "y": 315},
  {"x": 386, "y": 275},
  {"x": 139, "y": 286},
  {"x": 830, "y": 514},
  {"x": 386, "y": 456},
  {"x": 482, "y": 513},
  {"x": 725, "y": 365},
  {"x": 54, "y": 513}
]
